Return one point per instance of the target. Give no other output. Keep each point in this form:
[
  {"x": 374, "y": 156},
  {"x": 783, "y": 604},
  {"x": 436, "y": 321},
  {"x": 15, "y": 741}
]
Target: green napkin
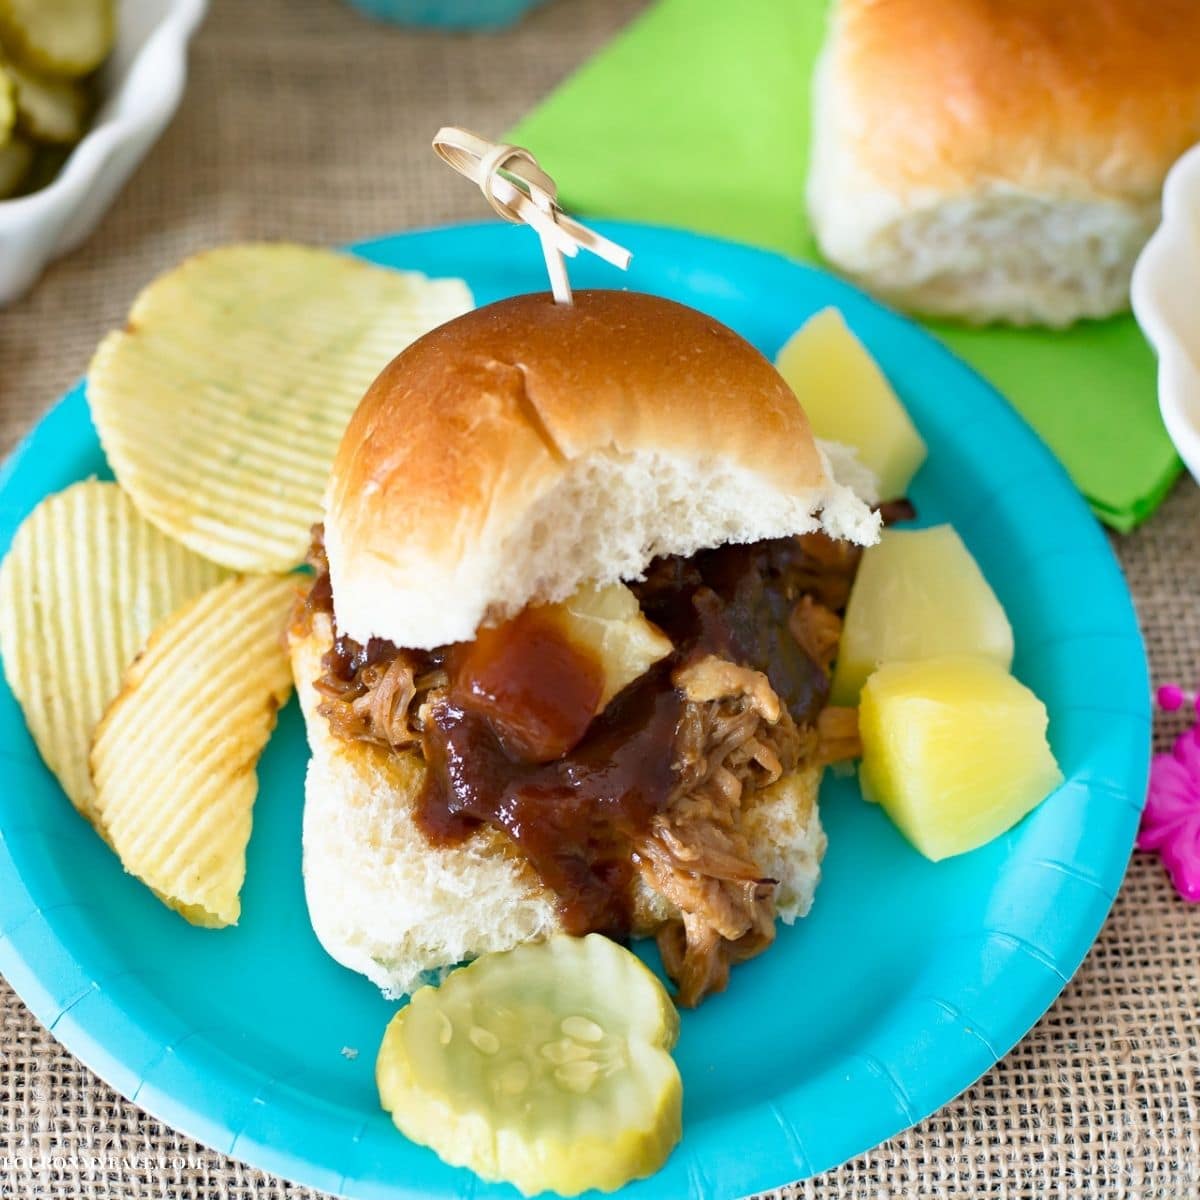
[{"x": 697, "y": 116}]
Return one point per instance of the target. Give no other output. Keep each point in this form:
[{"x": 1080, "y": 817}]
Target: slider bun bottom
[{"x": 386, "y": 903}]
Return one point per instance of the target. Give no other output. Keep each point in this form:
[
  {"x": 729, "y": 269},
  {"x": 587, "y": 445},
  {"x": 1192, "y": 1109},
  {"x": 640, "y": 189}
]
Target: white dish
[
  {"x": 141, "y": 82},
  {"x": 1166, "y": 302}
]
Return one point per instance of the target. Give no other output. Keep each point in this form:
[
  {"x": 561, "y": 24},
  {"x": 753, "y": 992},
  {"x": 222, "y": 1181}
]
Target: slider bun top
[{"x": 526, "y": 448}]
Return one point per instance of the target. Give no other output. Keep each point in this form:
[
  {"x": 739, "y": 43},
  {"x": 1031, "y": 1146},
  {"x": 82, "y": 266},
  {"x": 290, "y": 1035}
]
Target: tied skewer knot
[{"x": 519, "y": 191}]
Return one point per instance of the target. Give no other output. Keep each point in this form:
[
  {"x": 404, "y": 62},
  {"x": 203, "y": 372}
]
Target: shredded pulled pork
[
  {"x": 372, "y": 693},
  {"x": 837, "y": 735},
  {"x": 734, "y": 736},
  {"x": 817, "y": 629},
  {"x": 379, "y": 703},
  {"x": 713, "y": 678},
  {"x": 826, "y": 569}
]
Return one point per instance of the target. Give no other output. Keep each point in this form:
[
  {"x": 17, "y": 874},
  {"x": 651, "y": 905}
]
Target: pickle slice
[
  {"x": 65, "y": 37},
  {"x": 8, "y": 104},
  {"x": 546, "y": 1067},
  {"x": 16, "y": 157},
  {"x": 48, "y": 109}
]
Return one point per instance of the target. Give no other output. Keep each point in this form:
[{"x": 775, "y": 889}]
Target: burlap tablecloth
[{"x": 303, "y": 121}]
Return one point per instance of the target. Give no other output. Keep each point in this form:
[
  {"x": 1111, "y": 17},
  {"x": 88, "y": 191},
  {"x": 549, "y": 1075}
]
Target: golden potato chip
[
  {"x": 222, "y": 403},
  {"x": 85, "y": 581},
  {"x": 174, "y": 758}
]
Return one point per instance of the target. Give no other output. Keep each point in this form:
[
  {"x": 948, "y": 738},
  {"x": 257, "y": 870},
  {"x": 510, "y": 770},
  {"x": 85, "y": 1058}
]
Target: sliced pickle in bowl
[
  {"x": 8, "y": 105},
  {"x": 64, "y": 37},
  {"x": 49, "y": 110},
  {"x": 16, "y": 160}
]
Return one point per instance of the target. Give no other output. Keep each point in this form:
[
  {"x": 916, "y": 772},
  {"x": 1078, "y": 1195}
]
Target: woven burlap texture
[{"x": 301, "y": 120}]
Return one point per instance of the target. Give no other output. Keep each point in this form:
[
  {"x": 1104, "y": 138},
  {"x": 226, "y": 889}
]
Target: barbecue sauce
[
  {"x": 573, "y": 818},
  {"x": 537, "y": 689}
]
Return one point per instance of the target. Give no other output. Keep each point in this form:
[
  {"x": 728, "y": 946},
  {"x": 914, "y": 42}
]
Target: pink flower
[{"x": 1171, "y": 821}]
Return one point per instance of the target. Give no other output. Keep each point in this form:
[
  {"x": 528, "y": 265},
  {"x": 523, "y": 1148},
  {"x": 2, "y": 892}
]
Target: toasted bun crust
[
  {"x": 1000, "y": 158},
  {"x": 386, "y": 903},
  {"x": 527, "y": 447}
]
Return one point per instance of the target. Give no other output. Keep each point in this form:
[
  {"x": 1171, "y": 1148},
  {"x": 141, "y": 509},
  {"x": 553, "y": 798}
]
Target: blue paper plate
[{"x": 906, "y": 982}]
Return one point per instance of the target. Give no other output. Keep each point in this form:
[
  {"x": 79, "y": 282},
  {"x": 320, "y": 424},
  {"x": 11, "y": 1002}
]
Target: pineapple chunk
[
  {"x": 609, "y": 623},
  {"x": 955, "y": 751},
  {"x": 848, "y": 400},
  {"x": 918, "y": 594}
]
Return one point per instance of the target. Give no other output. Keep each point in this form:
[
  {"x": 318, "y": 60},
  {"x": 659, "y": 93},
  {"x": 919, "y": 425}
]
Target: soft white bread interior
[
  {"x": 529, "y": 447},
  {"x": 1000, "y": 159},
  {"x": 386, "y": 903}
]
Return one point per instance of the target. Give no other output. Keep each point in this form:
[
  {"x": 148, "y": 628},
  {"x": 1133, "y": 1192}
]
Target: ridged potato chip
[
  {"x": 174, "y": 760},
  {"x": 222, "y": 402},
  {"x": 84, "y": 583}
]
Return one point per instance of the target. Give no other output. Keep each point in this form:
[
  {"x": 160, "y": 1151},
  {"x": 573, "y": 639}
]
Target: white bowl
[
  {"x": 141, "y": 83},
  {"x": 1166, "y": 302}
]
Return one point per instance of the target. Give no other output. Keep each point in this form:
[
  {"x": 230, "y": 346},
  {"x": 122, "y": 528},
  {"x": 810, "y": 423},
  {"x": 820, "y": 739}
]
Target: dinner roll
[{"x": 1000, "y": 159}]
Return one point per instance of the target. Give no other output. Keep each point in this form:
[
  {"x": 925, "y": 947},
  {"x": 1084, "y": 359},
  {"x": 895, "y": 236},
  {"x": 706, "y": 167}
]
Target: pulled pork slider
[{"x": 565, "y": 661}]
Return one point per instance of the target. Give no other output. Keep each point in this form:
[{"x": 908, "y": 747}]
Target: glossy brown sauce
[
  {"x": 511, "y": 743},
  {"x": 573, "y": 818},
  {"x": 536, "y": 689}
]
